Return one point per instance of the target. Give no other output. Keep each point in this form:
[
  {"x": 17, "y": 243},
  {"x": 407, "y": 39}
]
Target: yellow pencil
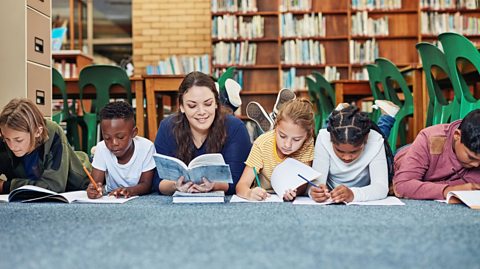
[{"x": 90, "y": 177}]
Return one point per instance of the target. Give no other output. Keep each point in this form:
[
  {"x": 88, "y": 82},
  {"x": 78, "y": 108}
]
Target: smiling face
[
  {"x": 347, "y": 152},
  {"x": 118, "y": 135},
  {"x": 199, "y": 106},
  {"x": 20, "y": 143},
  {"x": 289, "y": 137},
  {"x": 466, "y": 157}
]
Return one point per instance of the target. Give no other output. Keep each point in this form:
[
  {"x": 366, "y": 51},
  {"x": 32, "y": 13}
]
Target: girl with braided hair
[{"x": 351, "y": 156}]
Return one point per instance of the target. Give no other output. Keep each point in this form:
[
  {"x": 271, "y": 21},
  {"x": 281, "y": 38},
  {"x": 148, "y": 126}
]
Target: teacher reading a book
[{"x": 201, "y": 126}]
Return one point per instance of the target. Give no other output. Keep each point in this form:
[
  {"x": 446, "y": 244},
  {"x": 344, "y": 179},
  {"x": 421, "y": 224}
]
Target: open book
[
  {"x": 469, "y": 198},
  {"x": 29, "y": 193},
  {"x": 212, "y": 166},
  {"x": 205, "y": 197},
  {"x": 285, "y": 176}
]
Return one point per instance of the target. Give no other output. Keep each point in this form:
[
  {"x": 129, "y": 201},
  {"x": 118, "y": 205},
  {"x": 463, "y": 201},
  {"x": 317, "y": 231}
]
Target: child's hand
[
  {"x": 182, "y": 187},
  {"x": 342, "y": 194},
  {"x": 93, "y": 193},
  {"x": 206, "y": 186},
  {"x": 320, "y": 194},
  {"x": 290, "y": 195},
  {"x": 258, "y": 194},
  {"x": 119, "y": 192}
]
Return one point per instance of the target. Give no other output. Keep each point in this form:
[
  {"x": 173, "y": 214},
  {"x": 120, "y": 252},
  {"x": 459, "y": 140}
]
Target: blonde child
[
  {"x": 292, "y": 137},
  {"x": 35, "y": 151},
  {"x": 123, "y": 159}
]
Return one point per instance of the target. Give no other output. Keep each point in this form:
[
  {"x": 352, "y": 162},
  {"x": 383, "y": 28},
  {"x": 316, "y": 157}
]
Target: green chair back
[
  {"x": 391, "y": 73},
  {"x": 326, "y": 86},
  {"x": 313, "y": 93},
  {"x": 374, "y": 79},
  {"x": 440, "y": 110},
  {"x": 58, "y": 82},
  {"x": 457, "y": 47},
  {"x": 68, "y": 114},
  {"x": 102, "y": 78}
]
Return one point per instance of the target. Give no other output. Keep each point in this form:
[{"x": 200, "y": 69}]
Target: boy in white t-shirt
[{"x": 123, "y": 159}]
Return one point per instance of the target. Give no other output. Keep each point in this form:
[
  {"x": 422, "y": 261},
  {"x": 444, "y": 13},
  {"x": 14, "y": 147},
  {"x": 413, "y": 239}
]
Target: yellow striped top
[{"x": 264, "y": 157}]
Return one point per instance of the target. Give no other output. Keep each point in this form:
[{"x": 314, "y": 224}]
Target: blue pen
[{"x": 308, "y": 181}]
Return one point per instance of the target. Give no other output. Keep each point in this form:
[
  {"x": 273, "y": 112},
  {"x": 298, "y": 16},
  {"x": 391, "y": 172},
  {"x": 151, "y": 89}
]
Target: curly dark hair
[
  {"x": 183, "y": 134},
  {"x": 349, "y": 126},
  {"x": 117, "y": 110},
  {"x": 470, "y": 128}
]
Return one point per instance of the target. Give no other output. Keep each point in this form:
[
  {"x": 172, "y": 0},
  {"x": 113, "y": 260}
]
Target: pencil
[
  {"x": 90, "y": 177},
  {"x": 308, "y": 181},
  {"x": 256, "y": 177}
]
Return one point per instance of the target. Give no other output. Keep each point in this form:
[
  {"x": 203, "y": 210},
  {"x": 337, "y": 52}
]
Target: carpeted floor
[{"x": 150, "y": 232}]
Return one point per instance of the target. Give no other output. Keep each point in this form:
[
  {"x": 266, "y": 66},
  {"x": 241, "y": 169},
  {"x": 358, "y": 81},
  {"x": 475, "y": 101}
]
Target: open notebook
[
  {"x": 29, "y": 193},
  {"x": 390, "y": 200},
  {"x": 192, "y": 198}
]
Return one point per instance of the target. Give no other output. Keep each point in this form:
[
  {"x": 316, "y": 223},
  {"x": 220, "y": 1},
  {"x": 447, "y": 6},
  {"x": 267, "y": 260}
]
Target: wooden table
[
  {"x": 347, "y": 88},
  {"x": 159, "y": 84},
  {"x": 116, "y": 91}
]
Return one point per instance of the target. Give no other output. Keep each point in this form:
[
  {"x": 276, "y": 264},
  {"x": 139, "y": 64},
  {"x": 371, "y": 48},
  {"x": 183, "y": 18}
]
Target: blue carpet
[{"x": 150, "y": 232}]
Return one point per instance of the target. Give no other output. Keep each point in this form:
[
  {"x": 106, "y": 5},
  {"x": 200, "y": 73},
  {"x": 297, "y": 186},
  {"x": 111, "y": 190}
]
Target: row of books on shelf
[
  {"x": 360, "y": 75},
  {"x": 376, "y": 4},
  {"x": 362, "y": 25},
  {"x": 66, "y": 69},
  {"x": 361, "y": 53},
  {"x": 179, "y": 65},
  {"x": 292, "y": 81},
  {"x": 309, "y": 52},
  {"x": 295, "y": 5},
  {"x": 230, "y": 26},
  {"x": 234, "y": 6},
  {"x": 231, "y": 53},
  {"x": 309, "y": 25},
  {"x": 434, "y": 23},
  {"x": 449, "y": 4}
]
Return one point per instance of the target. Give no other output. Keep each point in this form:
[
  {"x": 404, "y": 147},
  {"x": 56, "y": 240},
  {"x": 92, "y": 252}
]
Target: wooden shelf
[{"x": 398, "y": 46}]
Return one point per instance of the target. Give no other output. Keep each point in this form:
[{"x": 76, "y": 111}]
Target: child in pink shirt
[{"x": 443, "y": 158}]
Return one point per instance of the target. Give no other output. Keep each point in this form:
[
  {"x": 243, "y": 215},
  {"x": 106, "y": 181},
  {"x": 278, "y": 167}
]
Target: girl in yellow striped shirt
[{"x": 292, "y": 137}]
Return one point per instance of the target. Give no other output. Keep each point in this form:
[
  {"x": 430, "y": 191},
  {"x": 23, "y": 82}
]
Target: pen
[
  {"x": 308, "y": 181},
  {"x": 256, "y": 177},
  {"x": 90, "y": 177}
]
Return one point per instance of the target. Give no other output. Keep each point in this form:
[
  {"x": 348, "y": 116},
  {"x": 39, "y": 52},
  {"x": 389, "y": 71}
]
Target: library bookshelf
[{"x": 402, "y": 24}]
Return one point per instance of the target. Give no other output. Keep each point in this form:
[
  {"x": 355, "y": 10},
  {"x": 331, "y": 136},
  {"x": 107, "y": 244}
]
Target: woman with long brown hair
[{"x": 201, "y": 126}]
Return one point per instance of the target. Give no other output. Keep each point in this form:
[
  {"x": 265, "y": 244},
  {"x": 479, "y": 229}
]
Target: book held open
[{"x": 211, "y": 166}]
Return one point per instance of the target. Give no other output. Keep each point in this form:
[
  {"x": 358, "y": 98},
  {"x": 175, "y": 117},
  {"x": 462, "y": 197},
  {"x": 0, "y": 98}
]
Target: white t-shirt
[
  {"x": 367, "y": 176},
  {"x": 124, "y": 175}
]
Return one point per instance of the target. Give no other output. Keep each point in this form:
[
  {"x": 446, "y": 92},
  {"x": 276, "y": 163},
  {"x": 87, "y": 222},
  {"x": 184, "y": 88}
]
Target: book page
[
  {"x": 272, "y": 199},
  {"x": 103, "y": 200},
  {"x": 29, "y": 192},
  {"x": 207, "y": 160},
  {"x": 390, "y": 200},
  {"x": 199, "y": 199},
  {"x": 470, "y": 198},
  {"x": 286, "y": 175},
  {"x": 305, "y": 200},
  {"x": 170, "y": 168},
  {"x": 217, "y": 173}
]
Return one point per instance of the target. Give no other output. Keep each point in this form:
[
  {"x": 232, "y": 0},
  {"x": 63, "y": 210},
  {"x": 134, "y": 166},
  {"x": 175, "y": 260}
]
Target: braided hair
[{"x": 349, "y": 126}]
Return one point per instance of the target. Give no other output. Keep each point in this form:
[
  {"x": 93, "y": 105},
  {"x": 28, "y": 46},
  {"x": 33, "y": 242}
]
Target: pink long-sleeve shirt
[{"x": 429, "y": 165}]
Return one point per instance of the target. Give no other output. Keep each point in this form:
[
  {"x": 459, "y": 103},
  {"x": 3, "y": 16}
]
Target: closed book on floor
[{"x": 205, "y": 197}]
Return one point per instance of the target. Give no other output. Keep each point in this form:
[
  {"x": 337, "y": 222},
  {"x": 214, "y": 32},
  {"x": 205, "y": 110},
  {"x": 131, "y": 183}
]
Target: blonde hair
[
  {"x": 23, "y": 115},
  {"x": 300, "y": 111}
]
